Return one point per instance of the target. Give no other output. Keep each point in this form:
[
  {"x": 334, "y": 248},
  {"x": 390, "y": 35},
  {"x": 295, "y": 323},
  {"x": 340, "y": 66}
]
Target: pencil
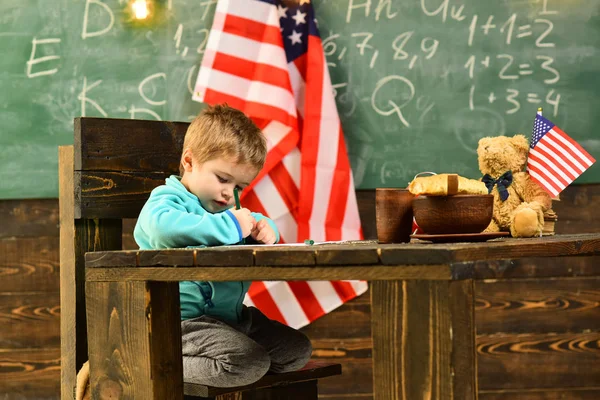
[{"x": 236, "y": 196}]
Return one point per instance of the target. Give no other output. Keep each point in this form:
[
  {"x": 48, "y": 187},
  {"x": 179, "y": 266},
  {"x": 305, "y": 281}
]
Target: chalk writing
[
  {"x": 455, "y": 12},
  {"x": 204, "y": 33},
  {"x": 85, "y": 99},
  {"x": 149, "y": 79},
  {"x": 33, "y": 60},
  {"x": 383, "y": 5},
  {"x": 406, "y": 76},
  {"x": 84, "y": 33},
  {"x": 365, "y": 45},
  {"x": 393, "y": 107},
  {"x": 135, "y": 111},
  {"x": 177, "y": 39}
]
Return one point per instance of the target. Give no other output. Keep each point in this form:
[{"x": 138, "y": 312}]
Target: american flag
[
  {"x": 555, "y": 160},
  {"x": 265, "y": 58}
]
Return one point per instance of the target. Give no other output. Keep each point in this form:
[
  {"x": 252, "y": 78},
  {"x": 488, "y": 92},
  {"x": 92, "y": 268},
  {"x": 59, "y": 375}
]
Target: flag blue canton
[
  {"x": 541, "y": 126},
  {"x": 296, "y": 24}
]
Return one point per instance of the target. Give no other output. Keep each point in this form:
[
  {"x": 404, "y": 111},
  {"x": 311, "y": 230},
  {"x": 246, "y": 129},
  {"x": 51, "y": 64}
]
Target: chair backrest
[
  {"x": 119, "y": 161},
  {"x": 106, "y": 176}
]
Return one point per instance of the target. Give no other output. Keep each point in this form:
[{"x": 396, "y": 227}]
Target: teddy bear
[{"x": 519, "y": 202}]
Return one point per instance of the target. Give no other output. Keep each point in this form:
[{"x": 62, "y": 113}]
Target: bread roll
[{"x": 445, "y": 185}]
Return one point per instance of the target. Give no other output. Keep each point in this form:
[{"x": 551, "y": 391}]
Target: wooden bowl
[{"x": 462, "y": 213}]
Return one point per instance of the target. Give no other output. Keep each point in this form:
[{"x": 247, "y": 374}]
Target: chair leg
[
  {"x": 293, "y": 391},
  {"x": 134, "y": 340}
]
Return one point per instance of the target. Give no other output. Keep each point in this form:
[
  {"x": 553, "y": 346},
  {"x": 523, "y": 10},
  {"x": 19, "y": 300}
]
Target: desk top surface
[{"x": 459, "y": 257}]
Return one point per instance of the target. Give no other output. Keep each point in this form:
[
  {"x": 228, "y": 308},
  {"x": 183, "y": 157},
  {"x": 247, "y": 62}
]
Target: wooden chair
[
  {"x": 104, "y": 177},
  {"x": 298, "y": 385}
]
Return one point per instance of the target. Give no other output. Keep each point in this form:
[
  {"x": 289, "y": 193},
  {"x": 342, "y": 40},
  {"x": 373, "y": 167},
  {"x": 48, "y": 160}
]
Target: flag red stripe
[
  {"x": 549, "y": 178},
  {"x": 310, "y": 136},
  {"x": 555, "y": 149},
  {"x": 554, "y": 137},
  {"x": 549, "y": 175},
  {"x": 252, "y": 30},
  {"x": 307, "y": 299},
  {"x": 550, "y": 190},
  {"x": 589, "y": 159},
  {"x": 557, "y": 161},
  {"x": 263, "y": 300},
  {"x": 250, "y": 108},
  {"x": 301, "y": 65},
  {"x": 252, "y": 71},
  {"x": 252, "y": 202},
  {"x": 286, "y": 187},
  {"x": 344, "y": 289},
  {"x": 339, "y": 193},
  {"x": 275, "y": 156}
]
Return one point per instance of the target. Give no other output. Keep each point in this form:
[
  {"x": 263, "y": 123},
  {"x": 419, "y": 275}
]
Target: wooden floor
[{"x": 537, "y": 340}]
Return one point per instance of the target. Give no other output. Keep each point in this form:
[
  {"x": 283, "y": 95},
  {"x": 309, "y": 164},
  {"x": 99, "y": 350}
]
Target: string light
[{"x": 140, "y": 9}]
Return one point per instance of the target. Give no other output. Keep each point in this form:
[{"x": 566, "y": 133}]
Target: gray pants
[{"x": 222, "y": 354}]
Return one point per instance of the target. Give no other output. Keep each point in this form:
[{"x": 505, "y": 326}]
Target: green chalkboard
[{"x": 417, "y": 82}]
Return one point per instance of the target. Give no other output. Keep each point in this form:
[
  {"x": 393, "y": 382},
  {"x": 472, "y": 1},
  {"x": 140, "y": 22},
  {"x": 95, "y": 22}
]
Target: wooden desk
[{"x": 422, "y": 306}]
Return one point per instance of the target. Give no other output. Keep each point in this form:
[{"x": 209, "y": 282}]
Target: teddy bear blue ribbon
[{"x": 501, "y": 183}]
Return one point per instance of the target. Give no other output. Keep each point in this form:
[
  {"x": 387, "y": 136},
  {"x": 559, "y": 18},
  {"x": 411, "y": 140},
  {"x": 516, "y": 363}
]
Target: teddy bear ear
[{"x": 520, "y": 143}]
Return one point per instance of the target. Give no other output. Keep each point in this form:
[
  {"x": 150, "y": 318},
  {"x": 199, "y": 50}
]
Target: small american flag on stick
[{"x": 555, "y": 159}]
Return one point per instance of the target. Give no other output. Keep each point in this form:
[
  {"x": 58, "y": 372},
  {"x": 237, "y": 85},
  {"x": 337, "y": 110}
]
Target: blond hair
[{"x": 222, "y": 131}]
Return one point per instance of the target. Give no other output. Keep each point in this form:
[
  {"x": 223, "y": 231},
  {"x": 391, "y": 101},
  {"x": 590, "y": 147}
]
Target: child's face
[{"x": 213, "y": 181}]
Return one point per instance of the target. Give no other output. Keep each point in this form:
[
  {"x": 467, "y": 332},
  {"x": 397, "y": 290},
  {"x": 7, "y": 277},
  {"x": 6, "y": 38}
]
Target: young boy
[{"x": 224, "y": 343}]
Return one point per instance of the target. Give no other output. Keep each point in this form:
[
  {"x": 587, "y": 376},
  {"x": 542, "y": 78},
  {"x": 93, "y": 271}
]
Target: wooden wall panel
[
  {"x": 521, "y": 353},
  {"x": 366, "y": 209},
  {"x": 541, "y": 394},
  {"x": 28, "y": 218},
  {"x": 355, "y": 357},
  {"x": 344, "y": 336},
  {"x": 538, "y": 306},
  {"x": 29, "y": 300},
  {"x": 30, "y": 374},
  {"x": 353, "y": 321},
  {"x": 545, "y": 360},
  {"x": 539, "y": 267},
  {"x": 578, "y": 209},
  {"x": 29, "y": 320},
  {"x": 29, "y": 264}
]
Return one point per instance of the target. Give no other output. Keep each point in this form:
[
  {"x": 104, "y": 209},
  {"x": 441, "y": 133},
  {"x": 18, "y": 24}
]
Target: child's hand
[
  {"x": 263, "y": 233},
  {"x": 245, "y": 219}
]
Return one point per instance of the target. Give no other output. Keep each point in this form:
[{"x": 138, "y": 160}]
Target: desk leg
[
  {"x": 134, "y": 340},
  {"x": 423, "y": 340}
]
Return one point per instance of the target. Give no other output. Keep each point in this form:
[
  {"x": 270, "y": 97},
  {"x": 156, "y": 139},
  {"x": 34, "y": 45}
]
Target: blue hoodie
[{"x": 173, "y": 217}]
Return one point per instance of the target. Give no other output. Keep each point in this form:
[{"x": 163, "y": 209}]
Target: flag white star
[
  {"x": 295, "y": 37},
  {"x": 299, "y": 17},
  {"x": 281, "y": 11}
]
